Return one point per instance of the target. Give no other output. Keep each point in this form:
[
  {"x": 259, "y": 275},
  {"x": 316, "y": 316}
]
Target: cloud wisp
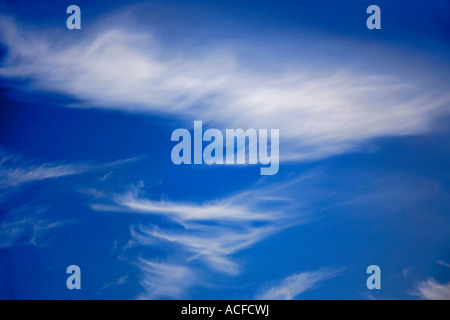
[
  {"x": 430, "y": 289},
  {"x": 206, "y": 233},
  {"x": 214, "y": 245},
  {"x": 295, "y": 284},
  {"x": 161, "y": 279},
  {"x": 14, "y": 170},
  {"x": 27, "y": 225},
  {"x": 241, "y": 207},
  {"x": 443, "y": 263},
  {"x": 320, "y": 111}
]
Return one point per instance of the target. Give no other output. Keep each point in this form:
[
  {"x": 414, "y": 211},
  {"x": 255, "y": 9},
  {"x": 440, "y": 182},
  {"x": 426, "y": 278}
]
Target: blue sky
[{"x": 86, "y": 176}]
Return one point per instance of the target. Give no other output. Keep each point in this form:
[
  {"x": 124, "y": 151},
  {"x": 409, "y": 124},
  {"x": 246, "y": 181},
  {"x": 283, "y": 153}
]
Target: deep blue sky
[{"x": 85, "y": 127}]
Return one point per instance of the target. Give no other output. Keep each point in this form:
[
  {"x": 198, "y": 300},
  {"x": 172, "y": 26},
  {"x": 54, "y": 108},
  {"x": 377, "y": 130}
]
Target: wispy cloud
[
  {"x": 27, "y": 225},
  {"x": 117, "y": 282},
  {"x": 320, "y": 111},
  {"x": 295, "y": 284},
  {"x": 213, "y": 244},
  {"x": 210, "y": 233},
  {"x": 432, "y": 290},
  {"x": 163, "y": 279},
  {"x": 442, "y": 263},
  {"x": 18, "y": 175},
  {"x": 239, "y": 207},
  {"x": 14, "y": 170}
]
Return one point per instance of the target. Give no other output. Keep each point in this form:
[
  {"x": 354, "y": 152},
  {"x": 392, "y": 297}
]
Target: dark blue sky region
[{"x": 86, "y": 176}]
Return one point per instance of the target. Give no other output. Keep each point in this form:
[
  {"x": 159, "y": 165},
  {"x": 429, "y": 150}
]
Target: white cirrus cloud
[
  {"x": 14, "y": 170},
  {"x": 204, "y": 233},
  {"x": 295, "y": 284},
  {"x": 160, "y": 279},
  {"x": 320, "y": 111},
  {"x": 443, "y": 263},
  {"x": 214, "y": 245},
  {"x": 246, "y": 206},
  {"x": 430, "y": 289},
  {"x": 27, "y": 225}
]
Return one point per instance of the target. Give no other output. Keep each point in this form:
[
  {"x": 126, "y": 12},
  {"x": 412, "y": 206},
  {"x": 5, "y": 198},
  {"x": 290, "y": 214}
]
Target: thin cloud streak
[
  {"x": 224, "y": 210},
  {"x": 15, "y": 171},
  {"x": 295, "y": 284},
  {"x": 442, "y": 263},
  {"x": 245, "y": 206}
]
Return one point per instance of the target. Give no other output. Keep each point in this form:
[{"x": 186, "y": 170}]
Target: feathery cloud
[
  {"x": 15, "y": 171},
  {"x": 295, "y": 284},
  {"x": 443, "y": 263},
  {"x": 432, "y": 290},
  {"x": 210, "y": 233},
  {"x": 163, "y": 279},
  {"x": 320, "y": 111},
  {"x": 27, "y": 225}
]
